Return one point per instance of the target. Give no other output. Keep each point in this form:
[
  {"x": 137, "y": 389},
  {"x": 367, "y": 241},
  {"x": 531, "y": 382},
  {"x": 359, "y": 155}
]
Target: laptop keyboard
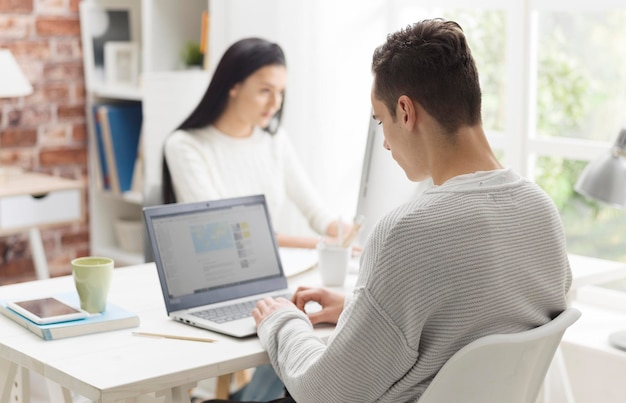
[{"x": 231, "y": 312}]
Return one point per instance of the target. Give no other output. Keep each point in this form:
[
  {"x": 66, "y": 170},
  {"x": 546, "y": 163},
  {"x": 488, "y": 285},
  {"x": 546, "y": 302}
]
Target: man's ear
[{"x": 407, "y": 114}]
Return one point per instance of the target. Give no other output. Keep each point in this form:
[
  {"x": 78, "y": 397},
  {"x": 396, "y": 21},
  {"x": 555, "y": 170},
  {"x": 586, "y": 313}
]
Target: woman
[{"x": 232, "y": 144}]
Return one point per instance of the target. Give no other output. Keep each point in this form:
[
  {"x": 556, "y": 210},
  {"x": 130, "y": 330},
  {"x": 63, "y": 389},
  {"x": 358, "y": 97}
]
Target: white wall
[{"x": 327, "y": 104}]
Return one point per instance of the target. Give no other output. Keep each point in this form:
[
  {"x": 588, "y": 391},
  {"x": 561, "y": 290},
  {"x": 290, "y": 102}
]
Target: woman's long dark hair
[{"x": 240, "y": 60}]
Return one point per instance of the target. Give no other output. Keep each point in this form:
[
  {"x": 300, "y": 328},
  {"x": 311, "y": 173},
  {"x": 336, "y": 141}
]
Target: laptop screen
[{"x": 213, "y": 251}]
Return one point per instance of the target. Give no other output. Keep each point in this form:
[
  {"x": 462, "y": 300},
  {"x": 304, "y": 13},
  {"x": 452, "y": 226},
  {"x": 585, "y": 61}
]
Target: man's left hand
[{"x": 268, "y": 305}]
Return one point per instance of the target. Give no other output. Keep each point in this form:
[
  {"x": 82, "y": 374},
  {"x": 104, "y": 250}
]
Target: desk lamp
[
  {"x": 604, "y": 179},
  {"x": 13, "y": 83}
]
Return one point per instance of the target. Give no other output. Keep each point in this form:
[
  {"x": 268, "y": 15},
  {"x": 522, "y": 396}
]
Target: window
[{"x": 581, "y": 100}]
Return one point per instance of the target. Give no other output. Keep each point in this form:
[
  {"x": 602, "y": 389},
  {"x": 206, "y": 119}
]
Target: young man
[{"x": 481, "y": 252}]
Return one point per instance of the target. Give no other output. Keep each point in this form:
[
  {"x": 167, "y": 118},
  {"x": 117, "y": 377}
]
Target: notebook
[{"x": 212, "y": 255}]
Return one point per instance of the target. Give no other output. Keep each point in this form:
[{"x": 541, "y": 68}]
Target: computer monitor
[{"x": 384, "y": 184}]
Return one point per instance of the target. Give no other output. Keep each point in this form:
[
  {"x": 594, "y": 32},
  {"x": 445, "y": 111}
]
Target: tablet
[{"x": 47, "y": 310}]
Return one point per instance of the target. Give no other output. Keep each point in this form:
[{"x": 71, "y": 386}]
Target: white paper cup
[{"x": 333, "y": 263}]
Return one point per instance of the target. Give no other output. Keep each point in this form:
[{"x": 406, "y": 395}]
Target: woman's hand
[
  {"x": 291, "y": 241},
  {"x": 347, "y": 235},
  {"x": 331, "y": 302}
]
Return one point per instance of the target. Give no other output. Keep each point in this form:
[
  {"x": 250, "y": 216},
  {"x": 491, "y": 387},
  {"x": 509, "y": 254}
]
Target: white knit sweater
[
  {"x": 206, "y": 164},
  {"x": 481, "y": 254}
]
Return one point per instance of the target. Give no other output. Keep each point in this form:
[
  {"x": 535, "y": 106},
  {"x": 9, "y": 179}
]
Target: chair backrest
[{"x": 501, "y": 367}]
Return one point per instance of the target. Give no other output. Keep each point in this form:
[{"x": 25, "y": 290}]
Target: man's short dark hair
[{"x": 431, "y": 62}]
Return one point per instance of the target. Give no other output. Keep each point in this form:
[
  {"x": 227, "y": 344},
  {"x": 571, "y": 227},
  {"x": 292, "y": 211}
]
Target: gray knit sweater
[{"x": 481, "y": 254}]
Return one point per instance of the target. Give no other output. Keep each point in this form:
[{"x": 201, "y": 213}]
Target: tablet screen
[
  {"x": 47, "y": 307},
  {"x": 47, "y": 310}
]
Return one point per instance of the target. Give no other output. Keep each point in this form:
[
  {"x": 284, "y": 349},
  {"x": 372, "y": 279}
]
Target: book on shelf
[
  {"x": 120, "y": 130},
  {"x": 136, "y": 186},
  {"x": 114, "y": 318},
  {"x": 102, "y": 176}
]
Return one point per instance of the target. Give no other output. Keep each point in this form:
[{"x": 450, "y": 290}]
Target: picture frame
[
  {"x": 101, "y": 22},
  {"x": 121, "y": 63}
]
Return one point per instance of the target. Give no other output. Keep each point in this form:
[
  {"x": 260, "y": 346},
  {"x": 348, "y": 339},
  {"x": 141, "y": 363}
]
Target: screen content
[
  {"x": 47, "y": 307},
  {"x": 215, "y": 248}
]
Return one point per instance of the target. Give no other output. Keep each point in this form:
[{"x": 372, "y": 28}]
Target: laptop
[{"x": 214, "y": 256}]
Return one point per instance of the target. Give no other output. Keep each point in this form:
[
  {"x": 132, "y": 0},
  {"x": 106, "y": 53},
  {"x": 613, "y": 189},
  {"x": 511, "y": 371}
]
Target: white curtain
[{"x": 328, "y": 45}]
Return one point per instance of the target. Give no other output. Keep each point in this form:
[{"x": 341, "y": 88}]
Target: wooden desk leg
[
  {"x": 222, "y": 389},
  {"x": 39, "y": 254},
  {"x": 242, "y": 378}
]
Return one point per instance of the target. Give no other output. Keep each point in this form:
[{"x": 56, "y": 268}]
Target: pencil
[
  {"x": 356, "y": 227},
  {"x": 172, "y": 336}
]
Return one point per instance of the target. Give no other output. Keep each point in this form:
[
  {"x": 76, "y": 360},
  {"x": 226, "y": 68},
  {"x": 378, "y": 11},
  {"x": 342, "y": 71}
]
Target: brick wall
[{"x": 45, "y": 131}]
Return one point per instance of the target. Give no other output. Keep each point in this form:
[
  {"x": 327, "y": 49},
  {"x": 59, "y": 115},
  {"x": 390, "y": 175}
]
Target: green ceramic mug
[{"x": 92, "y": 278}]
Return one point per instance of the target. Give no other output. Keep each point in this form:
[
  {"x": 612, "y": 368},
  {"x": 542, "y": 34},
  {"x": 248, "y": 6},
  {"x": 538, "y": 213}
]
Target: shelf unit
[{"x": 161, "y": 28}]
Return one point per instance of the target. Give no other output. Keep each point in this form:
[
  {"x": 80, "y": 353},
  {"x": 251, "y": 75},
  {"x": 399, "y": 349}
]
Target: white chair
[{"x": 501, "y": 367}]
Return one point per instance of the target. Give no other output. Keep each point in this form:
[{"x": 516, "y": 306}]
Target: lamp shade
[
  {"x": 13, "y": 83},
  {"x": 605, "y": 178}
]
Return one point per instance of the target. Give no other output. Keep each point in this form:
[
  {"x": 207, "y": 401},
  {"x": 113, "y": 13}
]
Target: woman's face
[{"x": 257, "y": 99}]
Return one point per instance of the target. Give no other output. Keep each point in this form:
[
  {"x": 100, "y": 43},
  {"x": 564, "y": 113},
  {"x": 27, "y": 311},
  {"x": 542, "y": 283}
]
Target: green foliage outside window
[
  {"x": 561, "y": 94},
  {"x": 566, "y": 96}
]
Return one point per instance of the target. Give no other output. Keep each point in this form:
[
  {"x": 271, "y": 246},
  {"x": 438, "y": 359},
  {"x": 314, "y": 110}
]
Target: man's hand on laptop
[
  {"x": 331, "y": 303},
  {"x": 268, "y": 305}
]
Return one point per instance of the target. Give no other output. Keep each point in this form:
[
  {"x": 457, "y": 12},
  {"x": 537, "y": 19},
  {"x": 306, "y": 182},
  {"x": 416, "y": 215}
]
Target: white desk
[
  {"x": 563, "y": 387},
  {"x": 116, "y": 365},
  {"x": 589, "y": 271},
  {"x": 31, "y": 200},
  {"x": 596, "y": 370}
]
